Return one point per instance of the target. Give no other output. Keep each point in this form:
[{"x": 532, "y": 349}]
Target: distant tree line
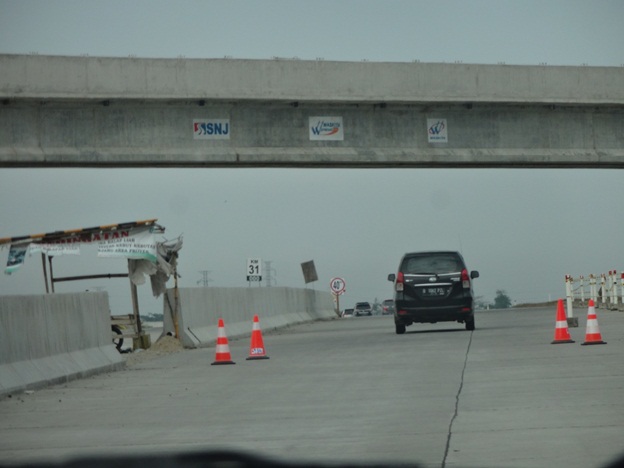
[
  {"x": 501, "y": 301},
  {"x": 152, "y": 318}
]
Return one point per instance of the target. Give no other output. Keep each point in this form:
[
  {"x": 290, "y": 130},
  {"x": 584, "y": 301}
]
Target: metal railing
[{"x": 606, "y": 290}]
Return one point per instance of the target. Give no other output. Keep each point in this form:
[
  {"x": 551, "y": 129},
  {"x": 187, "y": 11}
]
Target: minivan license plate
[{"x": 434, "y": 291}]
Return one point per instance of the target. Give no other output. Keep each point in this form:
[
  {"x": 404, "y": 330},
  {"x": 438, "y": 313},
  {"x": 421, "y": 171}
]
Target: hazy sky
[{"x": 522, "y": 229}]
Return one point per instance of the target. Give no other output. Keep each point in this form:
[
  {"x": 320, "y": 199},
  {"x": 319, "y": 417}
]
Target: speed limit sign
[{"x": 337, "y": 285}]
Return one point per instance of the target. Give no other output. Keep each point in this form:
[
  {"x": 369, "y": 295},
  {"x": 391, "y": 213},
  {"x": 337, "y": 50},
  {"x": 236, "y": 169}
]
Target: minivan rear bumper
[{"x": 406, "y": 314}]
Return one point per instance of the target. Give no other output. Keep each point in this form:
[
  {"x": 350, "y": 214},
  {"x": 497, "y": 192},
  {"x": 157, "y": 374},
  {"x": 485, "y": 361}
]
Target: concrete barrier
[
  {"x": 54, "y": 338},
  {"x": 277, "y": 307}
]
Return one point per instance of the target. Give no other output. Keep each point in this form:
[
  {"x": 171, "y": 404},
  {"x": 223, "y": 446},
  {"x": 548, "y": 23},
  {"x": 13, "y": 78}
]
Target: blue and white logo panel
[
  {"x": 326, "y": 128},
  {"x": 437, "y": 131},
  {"x": 211, "y": 129}
]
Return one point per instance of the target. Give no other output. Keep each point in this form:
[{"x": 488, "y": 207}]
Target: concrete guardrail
[
  {"x": 199, "y": 310},
  {"x": 54, "y": 338}
]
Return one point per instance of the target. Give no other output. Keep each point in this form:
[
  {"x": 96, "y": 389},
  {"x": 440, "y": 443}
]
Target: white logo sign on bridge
[{"x": 337, "y": 285}]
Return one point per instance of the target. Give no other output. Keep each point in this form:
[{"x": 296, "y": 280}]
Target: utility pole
[
  {"x": 204, "y": 280},
  {"x": 269, "y": 273}
]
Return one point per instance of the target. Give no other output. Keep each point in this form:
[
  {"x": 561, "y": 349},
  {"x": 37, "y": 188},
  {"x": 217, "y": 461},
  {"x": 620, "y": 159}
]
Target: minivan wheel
[
  {"x": 400, "y": 328},
  {"x": 470, "y": 324}
]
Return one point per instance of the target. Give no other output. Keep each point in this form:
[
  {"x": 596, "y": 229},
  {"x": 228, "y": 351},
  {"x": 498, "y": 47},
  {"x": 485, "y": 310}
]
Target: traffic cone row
[
  {"x": 256, "y": 347},
  {"x": 592, "y": 333}
]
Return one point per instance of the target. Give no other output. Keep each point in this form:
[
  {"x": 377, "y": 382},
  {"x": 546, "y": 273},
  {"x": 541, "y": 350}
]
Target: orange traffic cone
[
  {"x": 562, "y": 335},
  {"x": 256, "y": 348},
  {"x": 223, "y": 348},
  {"x": 592, "y": 333}
]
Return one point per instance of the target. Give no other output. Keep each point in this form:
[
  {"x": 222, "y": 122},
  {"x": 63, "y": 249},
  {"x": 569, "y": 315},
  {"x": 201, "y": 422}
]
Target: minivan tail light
[
  {"x": 465, "y": 279},
  {"x": 399, "y": 281}
]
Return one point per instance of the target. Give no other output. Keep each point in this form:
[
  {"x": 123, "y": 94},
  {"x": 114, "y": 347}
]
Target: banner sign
[
  {"x": 55, "y": 250},
  {"x": 95, "y": 237},
  {"x": 139, "y": 244},
  {"x": 437, "y": 131},
  {"x": 211, "y": 129},
  {"x": 128, "y": 240},
  {"x": 326, "y": 128},
  {"x": 17, "y": 254}
]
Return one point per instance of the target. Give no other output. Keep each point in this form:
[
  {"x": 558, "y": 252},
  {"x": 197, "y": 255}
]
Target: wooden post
[
  {"x": 142, "y": 340},
  {"x": 135, "y": 301},
  {"x": 45, "y": 272},
  {"x": 177, "y": 299},
  {"x": 51, "y": 274}
]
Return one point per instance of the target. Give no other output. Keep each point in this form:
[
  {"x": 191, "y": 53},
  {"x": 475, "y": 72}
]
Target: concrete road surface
[{"x": 351, "y": 390}]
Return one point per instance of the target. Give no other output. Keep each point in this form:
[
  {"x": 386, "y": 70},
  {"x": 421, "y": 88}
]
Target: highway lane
[{"x": 351, "y": 390}]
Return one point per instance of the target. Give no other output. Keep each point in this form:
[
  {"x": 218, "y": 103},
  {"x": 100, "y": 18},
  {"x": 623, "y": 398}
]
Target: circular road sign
[{"x": 337, "y": 285}]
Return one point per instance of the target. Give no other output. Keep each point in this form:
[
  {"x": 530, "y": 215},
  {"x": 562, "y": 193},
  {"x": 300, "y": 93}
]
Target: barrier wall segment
[
  {"x": 54, "y": 338},
  {"x": 199, "y": 310}
]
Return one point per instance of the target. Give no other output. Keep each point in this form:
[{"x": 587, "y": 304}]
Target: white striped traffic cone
[
  {"x": 223, "y": 355},
  {"x": 562, "y": 335},
  {"x": 256, "y": 347},
  {"x": 592, "y": 333}
]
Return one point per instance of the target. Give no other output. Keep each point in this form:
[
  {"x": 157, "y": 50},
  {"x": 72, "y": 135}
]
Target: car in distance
[
  {"x": 432, "y": 287},
  {"x": 347, "y": 313},
  {"x": 387, "y": 307},
  {"x": 362, "y": 308}
]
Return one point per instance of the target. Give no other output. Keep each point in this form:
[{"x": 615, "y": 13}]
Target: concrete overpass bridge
[{"x": 129, "y": 112}]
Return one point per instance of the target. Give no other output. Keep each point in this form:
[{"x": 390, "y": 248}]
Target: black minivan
[{"x": 433, "y": 287}]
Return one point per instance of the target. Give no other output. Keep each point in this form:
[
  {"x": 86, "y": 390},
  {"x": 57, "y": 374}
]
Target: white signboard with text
[{"x": 254, "y": 269}]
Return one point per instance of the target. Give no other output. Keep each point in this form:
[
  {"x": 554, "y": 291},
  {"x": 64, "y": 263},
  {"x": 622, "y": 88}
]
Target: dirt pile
[{"x": 163, "y": 346}]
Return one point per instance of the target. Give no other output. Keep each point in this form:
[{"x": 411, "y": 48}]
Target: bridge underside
[{"x": 183, "y": 133}]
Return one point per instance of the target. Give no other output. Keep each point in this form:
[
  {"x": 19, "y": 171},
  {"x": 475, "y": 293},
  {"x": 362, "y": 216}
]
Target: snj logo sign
[{"x": 213, "y": 129}]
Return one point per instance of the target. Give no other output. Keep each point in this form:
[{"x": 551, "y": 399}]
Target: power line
[
  {"x": 270, "y": 273},
  {"x": 205, "y": 280}
]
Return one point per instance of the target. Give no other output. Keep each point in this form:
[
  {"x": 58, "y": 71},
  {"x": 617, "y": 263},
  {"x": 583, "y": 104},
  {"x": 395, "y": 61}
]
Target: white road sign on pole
[
  {"x": 254, "y": 269},
  {"x": 337, "y": 285}
]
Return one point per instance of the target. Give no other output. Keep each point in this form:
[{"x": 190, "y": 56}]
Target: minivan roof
[{"x": 432, "y": 252}]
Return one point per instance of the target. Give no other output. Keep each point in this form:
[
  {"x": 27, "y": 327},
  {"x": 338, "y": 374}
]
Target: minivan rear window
[{"x": 431, "y": 263}]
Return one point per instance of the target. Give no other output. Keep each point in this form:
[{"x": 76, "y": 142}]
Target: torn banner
[
  {"x": 17, "y": 254},
  {"x": 54, "y": 250},
  {"x": 160, "y": 271},
  {"x": 138, "y": 244}
]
